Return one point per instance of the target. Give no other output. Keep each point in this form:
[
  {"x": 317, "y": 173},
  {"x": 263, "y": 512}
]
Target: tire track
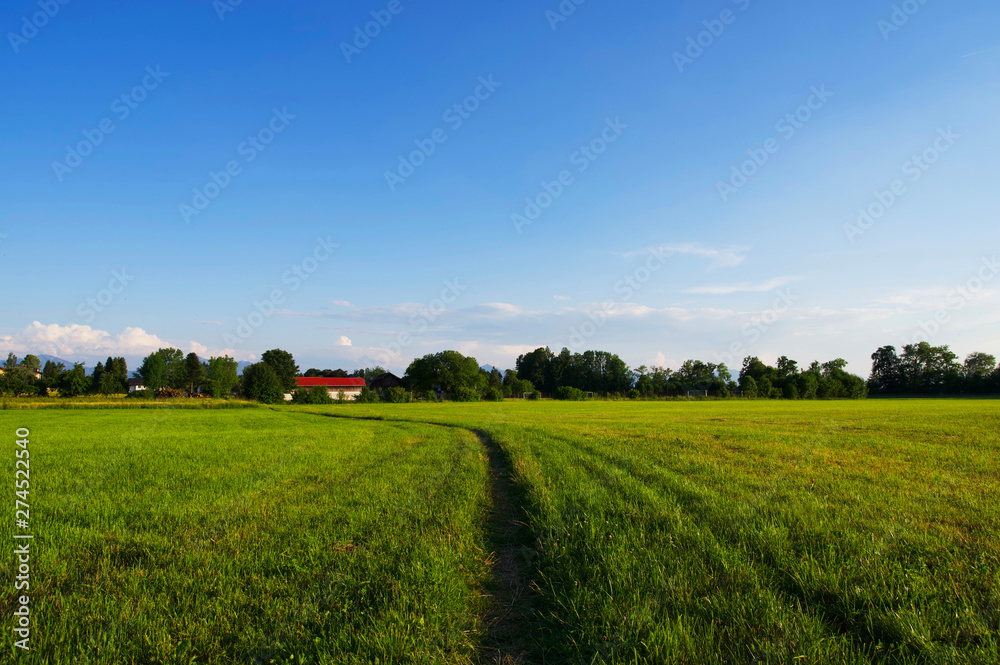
[{"x": 509, "y": 618}]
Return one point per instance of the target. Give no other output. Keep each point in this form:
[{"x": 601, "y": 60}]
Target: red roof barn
[{"x": 350, "y": 387}]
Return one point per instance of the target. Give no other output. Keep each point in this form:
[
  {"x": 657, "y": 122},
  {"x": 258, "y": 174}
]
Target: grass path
[{"x": 509, "y": 618}]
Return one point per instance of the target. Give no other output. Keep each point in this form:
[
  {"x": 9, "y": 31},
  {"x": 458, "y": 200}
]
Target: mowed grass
[
  {"x": 248, "y": 536},
  {"x": 661, "y": 532},
  {"x": 741, "y": 532}
]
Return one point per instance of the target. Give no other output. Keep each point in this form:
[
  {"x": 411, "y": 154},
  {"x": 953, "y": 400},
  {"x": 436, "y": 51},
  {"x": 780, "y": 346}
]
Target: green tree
[
  {"x": 223, "y": 376},
  {"x": 31, "y": 363},
  {"x": 76, "y": 382},
  {"x": 887, "y": 372},
  {"x": 97, "y": 378},
  {"x": 194, "y": 371},
  {"x": 261, "y": 383},
  {"x": 173, "y": 374},
  {"x": 284, "y": 367},
  {"x": 51, "y": 374},
  {"x": 448, "y": 370},
  {"x": 929, "y": 369},
  {"x": 108, "y": 384},
  {"x": 154, "y": 372},
  {"x": 120, "y": 372},
  {"x": 977, "y": 372},
  {"x": 536, "y": 367}
]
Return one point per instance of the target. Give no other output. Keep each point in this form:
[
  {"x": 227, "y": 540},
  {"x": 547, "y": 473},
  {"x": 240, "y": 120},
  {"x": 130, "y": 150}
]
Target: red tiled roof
[{"x": 309, "y": 382}]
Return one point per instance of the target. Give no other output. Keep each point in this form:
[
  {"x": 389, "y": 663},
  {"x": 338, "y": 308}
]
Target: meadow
[{"x": 596, "y": 532}]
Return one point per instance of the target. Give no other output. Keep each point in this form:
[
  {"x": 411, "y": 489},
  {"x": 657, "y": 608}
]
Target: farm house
[
  {"x": 351, "y": 387},
  {"x": 383, "y": 382}
]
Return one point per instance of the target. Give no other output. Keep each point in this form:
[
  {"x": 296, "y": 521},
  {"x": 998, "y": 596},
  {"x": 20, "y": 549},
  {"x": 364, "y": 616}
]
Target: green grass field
[{"x": 617, "y": 532}]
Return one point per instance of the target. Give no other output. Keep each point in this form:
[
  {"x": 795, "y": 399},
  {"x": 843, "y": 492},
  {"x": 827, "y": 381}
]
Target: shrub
[
  {"x": 145, "y": 393},
  {"x": 396, "y": 396},
  {"x": 570, "y": 393},
  {"x": 260, "y": 382},
  {"x": 522, "y": 386},
  {"x": 431, "y": 396},
  {"x": 493, "y": 395},
  {"x": 534, "y": 396},
  {"x": 464, "y": 394},
  {"x": 634, "y": 394},
  {"x": 367, "y": 396},
  {"x": 319, "y": 395}
]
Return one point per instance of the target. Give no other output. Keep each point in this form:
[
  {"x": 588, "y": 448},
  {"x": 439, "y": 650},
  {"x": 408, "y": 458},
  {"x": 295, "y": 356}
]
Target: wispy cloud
[
  {"x": 562, "y": 298},
  {"x": 728, "y": 257},
  {"x": 985, "y": 50},
  {"x": 742, "y": 287}
]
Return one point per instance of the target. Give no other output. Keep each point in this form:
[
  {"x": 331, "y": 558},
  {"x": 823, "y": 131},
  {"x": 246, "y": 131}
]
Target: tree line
[
  {"x": 921, "y": 369},
  {"x": 29, "y": 377}
]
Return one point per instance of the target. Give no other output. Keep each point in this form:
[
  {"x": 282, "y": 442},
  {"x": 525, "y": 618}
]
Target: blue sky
[{"x": 641, "y": 251}]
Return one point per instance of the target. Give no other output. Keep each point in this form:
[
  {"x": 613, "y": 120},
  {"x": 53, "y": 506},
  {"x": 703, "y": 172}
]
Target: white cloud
[
  {"x": 76, "y": 341},
  {"x": 562, "y": 297},
  {"x": 500, "y": 309},
  {"x": 743, "y": 287},
  {"x": 344, "y": 341},
  {"x": 54, "y": 339},
  {"x": 729, "y": 257}
]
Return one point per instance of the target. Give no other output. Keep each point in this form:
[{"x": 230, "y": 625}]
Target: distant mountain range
[{"x": 44, "y": 358}]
